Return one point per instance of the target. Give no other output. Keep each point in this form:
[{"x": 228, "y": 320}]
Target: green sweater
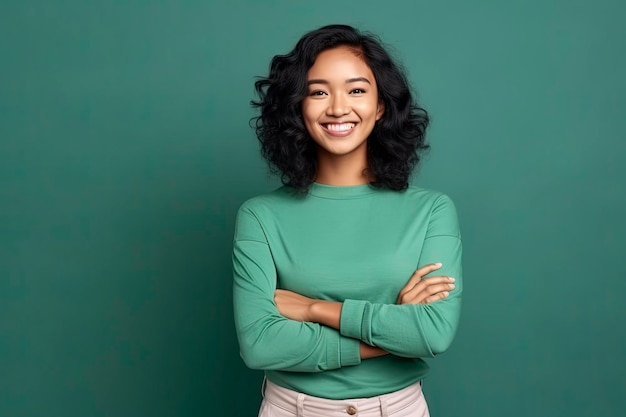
[{"x": 357, "y": 245}]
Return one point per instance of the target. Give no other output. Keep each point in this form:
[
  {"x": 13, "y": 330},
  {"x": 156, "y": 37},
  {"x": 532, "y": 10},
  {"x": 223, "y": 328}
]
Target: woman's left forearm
[
  {"x": 325, "y": 312},
  {"x": 328, "y": 313}
]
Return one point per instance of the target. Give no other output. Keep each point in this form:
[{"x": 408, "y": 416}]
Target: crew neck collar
[{"x": 341, "y": 192}]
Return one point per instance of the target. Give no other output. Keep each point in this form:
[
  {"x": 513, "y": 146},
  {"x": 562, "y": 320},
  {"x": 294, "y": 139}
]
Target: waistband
[{"x": 385, "y": 404}]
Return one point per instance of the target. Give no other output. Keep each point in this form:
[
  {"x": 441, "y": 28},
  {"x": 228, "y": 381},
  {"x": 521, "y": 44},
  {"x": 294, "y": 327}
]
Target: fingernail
[
  {"x": 439, "y": 264},
  {"x": 452, "y": 279},
  {"x": 452, "y": 286}
]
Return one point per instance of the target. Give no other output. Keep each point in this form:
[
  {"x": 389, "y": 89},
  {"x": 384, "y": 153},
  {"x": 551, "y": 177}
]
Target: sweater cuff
[
  {"x": 350, "y": 351},
  {"x": 351, "y": 320}
]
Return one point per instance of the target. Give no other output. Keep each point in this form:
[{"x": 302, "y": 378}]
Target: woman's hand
[
  {"x": 298, "y": 307},
  {"x": 420, "y": 290},
  {"x": 293, "y": 305}
]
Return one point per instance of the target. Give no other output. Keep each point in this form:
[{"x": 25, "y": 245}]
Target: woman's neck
[{"x": 342, "y": 170}]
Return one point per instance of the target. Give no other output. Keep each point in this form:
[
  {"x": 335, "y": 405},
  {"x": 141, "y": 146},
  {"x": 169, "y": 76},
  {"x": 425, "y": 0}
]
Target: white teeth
[{"x": 339, "y": 127}]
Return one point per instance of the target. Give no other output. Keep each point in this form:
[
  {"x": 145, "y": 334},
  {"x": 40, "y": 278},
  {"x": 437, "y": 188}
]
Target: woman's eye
[
  {"x": 317, "y": 93},
  {"x": 357, "y": 91}
]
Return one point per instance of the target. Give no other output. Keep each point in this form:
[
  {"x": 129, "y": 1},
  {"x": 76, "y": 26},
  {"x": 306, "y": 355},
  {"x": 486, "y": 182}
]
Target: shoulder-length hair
[{"x": 396, "y": 142}]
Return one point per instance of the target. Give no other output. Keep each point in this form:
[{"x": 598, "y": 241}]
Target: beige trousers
[{"x": 282, "y": 402}]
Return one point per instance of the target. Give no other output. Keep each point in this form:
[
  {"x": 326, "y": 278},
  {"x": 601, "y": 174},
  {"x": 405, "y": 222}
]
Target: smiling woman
[
  {"x": 346, "y": 277},
  {"x": 340, "y": 111},
  {"x": 396, "y": 140}
]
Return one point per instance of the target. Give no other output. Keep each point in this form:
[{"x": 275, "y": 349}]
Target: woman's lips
[{"x": 338, "y": 129}]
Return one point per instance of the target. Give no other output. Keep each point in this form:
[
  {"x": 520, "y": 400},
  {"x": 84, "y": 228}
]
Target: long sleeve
[
  {"x": 268, "y": 340},
  {"x": 416, "y": 330}
]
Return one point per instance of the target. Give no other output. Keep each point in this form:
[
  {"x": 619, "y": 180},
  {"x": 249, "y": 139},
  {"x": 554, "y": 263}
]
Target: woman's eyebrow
[
  {"x": 348, "y": 81},
  {"x": 358, "y": 79}
]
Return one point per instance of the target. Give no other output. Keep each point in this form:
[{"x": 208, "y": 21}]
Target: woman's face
[{"x": 342, "y": 105}]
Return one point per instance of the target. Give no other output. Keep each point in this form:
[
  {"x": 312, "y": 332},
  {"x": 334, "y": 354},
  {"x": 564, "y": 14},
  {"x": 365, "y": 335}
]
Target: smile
[{"x": 338, "y": 128}]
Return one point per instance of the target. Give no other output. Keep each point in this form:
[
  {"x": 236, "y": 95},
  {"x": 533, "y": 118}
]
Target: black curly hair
[{"x": 394, "y": 146}]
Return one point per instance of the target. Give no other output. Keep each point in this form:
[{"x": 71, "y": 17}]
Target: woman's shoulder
[
  {"x": 424, "y": 195},
  {"x": 269, "y": 200}
]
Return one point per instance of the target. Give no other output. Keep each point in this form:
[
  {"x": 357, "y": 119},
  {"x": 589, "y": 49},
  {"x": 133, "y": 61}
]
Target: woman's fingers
[
  {"x": 436, "y": 297},
  {"x": 423, "y": 291},
  {"x": 417, "y": 276}
]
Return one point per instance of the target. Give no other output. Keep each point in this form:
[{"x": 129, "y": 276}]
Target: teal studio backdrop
[{"x": 125, "y": 152}]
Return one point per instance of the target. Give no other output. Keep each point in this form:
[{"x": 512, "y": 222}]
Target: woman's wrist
[
  {"x": 368, "y": 352},
  {"x": 327, "y": 313}
]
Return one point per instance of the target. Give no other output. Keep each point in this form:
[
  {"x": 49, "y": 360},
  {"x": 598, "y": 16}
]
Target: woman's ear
[{"x": 380, "y": 110}]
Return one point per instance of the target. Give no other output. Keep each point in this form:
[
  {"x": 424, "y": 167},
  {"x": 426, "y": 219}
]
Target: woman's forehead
[{"x": 340, "y": 62}]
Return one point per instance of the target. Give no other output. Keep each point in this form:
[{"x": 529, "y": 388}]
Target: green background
[{"x": 125, "y": 151}]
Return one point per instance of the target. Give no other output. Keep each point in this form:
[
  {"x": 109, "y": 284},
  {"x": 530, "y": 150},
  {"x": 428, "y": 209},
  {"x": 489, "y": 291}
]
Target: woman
[{"x": 331, "y": 294}]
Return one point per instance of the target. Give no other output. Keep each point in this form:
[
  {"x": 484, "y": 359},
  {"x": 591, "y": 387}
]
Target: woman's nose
[{"x": 338, "y": 106}]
